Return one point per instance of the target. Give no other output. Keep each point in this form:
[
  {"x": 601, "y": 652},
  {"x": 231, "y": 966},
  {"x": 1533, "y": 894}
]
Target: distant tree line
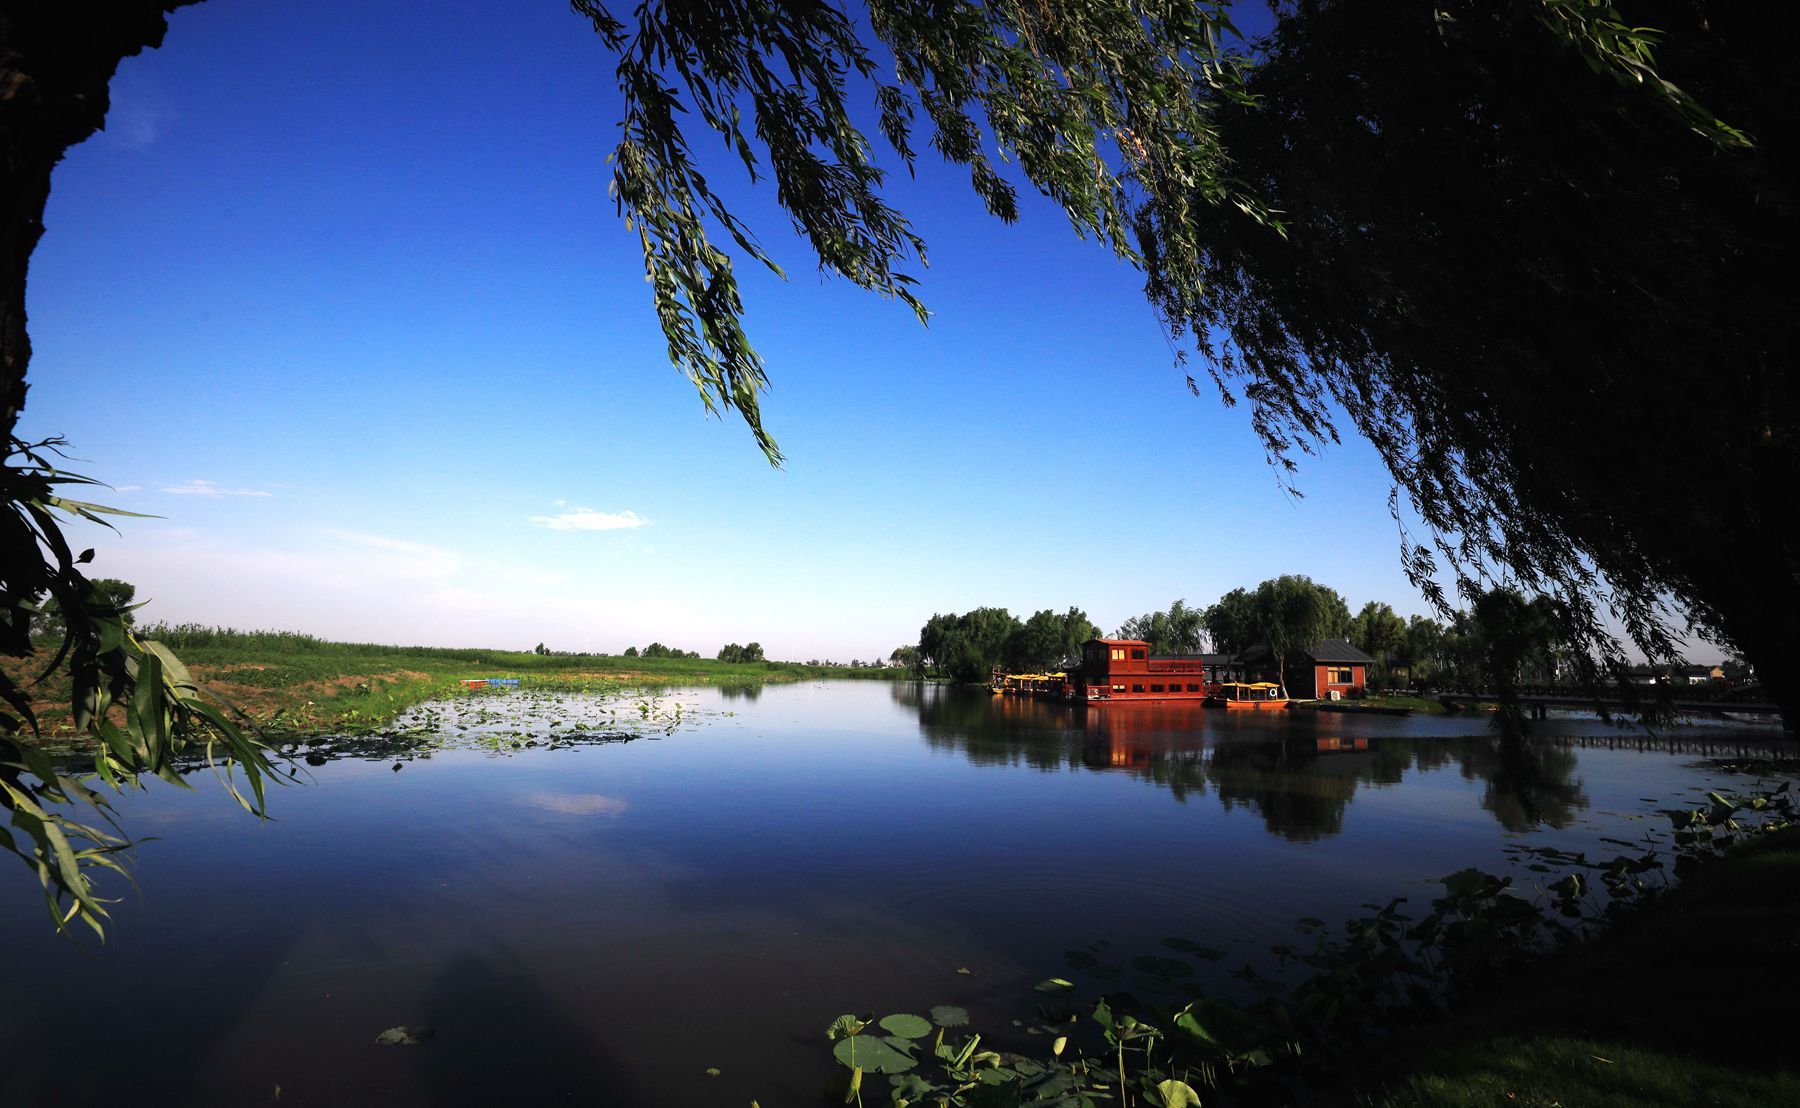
[
  {"x": 658, "y": 650},
  {"x": 732, "y": 652}
]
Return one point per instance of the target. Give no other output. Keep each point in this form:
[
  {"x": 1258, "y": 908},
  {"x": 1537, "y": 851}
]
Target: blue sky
[{"x": 339, "y": 296}]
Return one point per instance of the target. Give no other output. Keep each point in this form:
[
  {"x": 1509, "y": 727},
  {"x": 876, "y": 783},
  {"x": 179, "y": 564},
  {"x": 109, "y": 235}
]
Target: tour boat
[{"x": 1255, "y": 696}]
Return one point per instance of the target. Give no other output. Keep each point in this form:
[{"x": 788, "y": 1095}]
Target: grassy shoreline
[
  {"x": 1677, "y": 1004},
  {"x": 293, "y": 684}
]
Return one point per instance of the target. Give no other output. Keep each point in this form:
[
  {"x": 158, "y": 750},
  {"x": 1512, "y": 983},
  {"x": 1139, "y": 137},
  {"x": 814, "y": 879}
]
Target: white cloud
[
  {"x": 140, "y": 111},
  {"x": 199, "y": 487},
  {"x": 579, "y": 804},
  {"x": 587, "y": 519}
]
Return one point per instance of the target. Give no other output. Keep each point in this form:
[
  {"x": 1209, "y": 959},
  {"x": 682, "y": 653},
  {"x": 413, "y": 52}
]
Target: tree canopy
[
  {"x": 745, "y": 652},
  {"x": 1290, "y": 613},
  {"x": 1562, "y": 316},
  {"x": 970, "y": 646},
  {"x": 1179, "y": 630}
]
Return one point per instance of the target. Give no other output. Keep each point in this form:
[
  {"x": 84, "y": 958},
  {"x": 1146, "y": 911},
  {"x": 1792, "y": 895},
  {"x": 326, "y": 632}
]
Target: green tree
[
  {"x": 631, "y": 652},
  {"x": 968, "y": 647},
  {"x": 1292, "y": 613},
  {"x": 937, "y": 641},
  {"x": 1180, "y": 630},
  {"x": 1381, "y": 634},
  {"x": 906, "y": 657},
  {"x": 1037, "y": 644},
  {"x": 1421, "y": 650},
  {"x": 1231, "y": 623},
  {"x": 1077, "y": 629}
]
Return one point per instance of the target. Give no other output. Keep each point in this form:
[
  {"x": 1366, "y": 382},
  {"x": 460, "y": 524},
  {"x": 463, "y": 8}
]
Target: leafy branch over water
[{"x": 133, "y": 696}]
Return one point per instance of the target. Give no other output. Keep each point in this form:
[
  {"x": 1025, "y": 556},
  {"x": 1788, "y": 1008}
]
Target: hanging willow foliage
[
  {"x": 1151, "y": 125},
  {"x": 134, "y": 697}
]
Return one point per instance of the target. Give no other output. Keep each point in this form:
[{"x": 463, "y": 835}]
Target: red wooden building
[{"x": 1124, "y": 669}]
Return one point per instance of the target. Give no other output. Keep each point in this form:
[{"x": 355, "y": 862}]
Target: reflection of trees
[
  {"x": 1000, "y": 730},
  {"x": 1528, "y": 783},
  {"x": 751, "y": 692},
  {"x": 1299, "y": 782},
  {"x": 1299, "y": 793}
]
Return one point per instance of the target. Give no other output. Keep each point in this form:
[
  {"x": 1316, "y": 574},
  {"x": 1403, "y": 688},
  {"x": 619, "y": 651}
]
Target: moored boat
[{"x": 1255, "y": 696}]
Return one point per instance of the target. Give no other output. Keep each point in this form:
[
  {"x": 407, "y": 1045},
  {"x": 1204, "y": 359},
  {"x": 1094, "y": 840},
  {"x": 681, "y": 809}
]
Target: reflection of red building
[{"x": 1124, "y": 669}]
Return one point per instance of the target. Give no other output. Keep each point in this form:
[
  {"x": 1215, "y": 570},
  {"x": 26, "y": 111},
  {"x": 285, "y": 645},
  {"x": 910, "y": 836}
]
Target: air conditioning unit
[{"x": 1334, "y": 694}]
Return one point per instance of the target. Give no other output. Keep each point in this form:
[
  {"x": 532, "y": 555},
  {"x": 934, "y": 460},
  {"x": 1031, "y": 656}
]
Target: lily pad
[
  {"x": 405, "y": 1036},
  {"x": 1178, "y": 1094},
  {"x": 912, "y": 1088},
  {"x": 872, "y": 1055},
  {"x": 906, "y": 1025},
  {"x": 948, "y": 1015},
  {"x": 1162, "y": 967},
  {"x": 844, "y": 1025},
  {"x": 1054, "y": 985},
  {"x": 1188, "y": 946}
]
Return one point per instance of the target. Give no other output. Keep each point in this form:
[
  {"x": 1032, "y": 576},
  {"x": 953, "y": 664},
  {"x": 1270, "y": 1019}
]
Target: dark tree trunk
[
  {"x": 56, "y": 60},
  {"x": 1758, "y": 608}
]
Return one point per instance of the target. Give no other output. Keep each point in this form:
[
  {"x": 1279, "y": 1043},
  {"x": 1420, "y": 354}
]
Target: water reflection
[
  {"x": 1298, "y": 772},
  {"x": 1529, "y": 784}
]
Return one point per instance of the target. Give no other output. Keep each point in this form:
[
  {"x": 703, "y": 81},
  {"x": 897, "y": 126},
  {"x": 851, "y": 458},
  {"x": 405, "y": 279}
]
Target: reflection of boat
[
  {"x": 1043, "y": 684},
  {"x": 1263, "y": 696}
]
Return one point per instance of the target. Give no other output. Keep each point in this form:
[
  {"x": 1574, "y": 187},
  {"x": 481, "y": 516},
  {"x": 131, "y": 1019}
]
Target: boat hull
[{"x": 1246, "y": 705}]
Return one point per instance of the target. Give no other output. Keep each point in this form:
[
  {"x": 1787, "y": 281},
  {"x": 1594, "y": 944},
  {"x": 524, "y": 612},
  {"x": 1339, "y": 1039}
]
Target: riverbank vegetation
[
  {"x": 1487, "y": 995},
  {"x": 290, "y": 682}
]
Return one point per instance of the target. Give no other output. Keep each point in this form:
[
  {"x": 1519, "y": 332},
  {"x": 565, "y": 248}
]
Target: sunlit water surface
[{"x": 604, "y": 921}]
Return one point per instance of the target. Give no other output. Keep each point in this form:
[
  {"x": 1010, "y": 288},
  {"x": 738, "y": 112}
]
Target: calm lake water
[{"x": 602, "y": 921}]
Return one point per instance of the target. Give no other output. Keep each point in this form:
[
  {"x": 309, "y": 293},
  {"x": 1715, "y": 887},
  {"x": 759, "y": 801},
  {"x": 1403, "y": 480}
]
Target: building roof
[
  {"x": 1337, "y": 650},
  {"x": 1328, "y": 651}
]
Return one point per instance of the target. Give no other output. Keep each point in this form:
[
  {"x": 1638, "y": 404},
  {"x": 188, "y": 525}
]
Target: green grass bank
[
  {"x": 1686, "y": 1001},
  {"x": 295, "y": 683}
]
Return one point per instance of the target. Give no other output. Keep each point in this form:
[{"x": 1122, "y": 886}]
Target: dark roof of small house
[
  {"x": 1337, "y": 650},
  {"x": 1328, "y": 651}
]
